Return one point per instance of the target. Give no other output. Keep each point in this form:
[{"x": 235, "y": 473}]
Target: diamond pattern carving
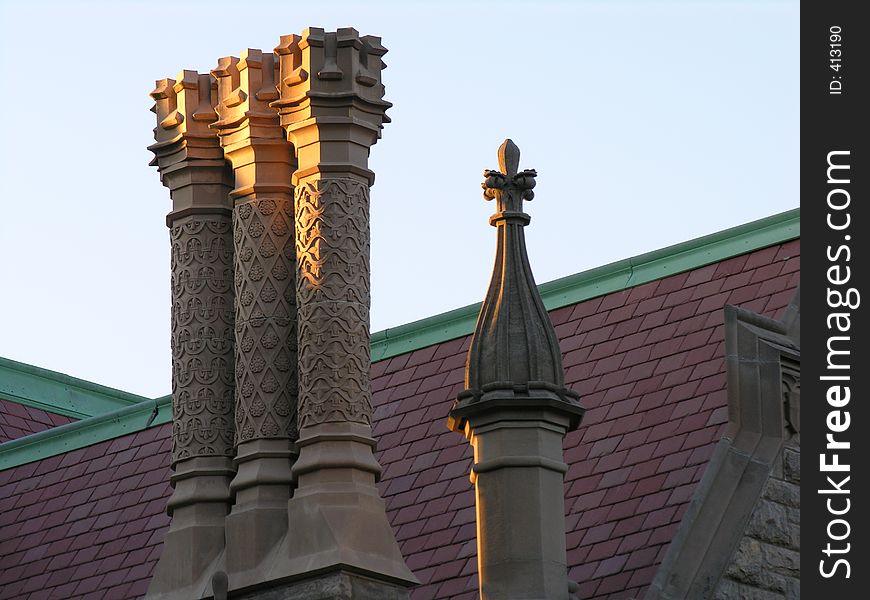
[{"x": 265, "y": 316}]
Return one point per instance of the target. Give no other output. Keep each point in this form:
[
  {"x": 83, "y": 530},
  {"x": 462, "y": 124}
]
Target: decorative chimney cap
[{"x": 185, "y": 107}]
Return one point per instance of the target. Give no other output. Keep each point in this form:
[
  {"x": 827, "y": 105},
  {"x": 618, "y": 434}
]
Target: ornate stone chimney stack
[
  {"x": 265, "y": 309},
  {"x": 331, "y": 105},
  {"x": 191, "y": 164},
  {"x": 515, "y": 412}
]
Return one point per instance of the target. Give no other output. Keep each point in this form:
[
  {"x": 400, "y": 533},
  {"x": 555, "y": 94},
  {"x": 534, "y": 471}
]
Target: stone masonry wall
[{"x": 766, "y": 565}]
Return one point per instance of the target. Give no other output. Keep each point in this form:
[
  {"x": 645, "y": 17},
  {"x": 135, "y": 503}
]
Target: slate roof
[
  {"x": 18, "y": 420},
  {"x": 649, "y": 365},
  {"x": 86, "y": 524}
]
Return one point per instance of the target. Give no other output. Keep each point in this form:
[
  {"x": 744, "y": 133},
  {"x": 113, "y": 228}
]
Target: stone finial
[
  {"x": 515, "y": 412},
  {"x": 508, "y": 186},
  {"x": 514, "y": 350}
]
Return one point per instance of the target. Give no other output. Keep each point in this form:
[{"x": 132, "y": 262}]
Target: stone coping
[{"x": 58, "y": 393}]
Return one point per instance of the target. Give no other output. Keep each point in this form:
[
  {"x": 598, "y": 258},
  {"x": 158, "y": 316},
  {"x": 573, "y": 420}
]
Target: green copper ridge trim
[
  {"x": 602, "y": 280},
  {"x": 569, "y": 290},
  {"x": 58, "y": 393},
  {"x": 72, "y": 436}
]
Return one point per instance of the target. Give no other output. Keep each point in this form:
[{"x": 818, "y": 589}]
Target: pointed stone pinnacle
[{"x": 509, "y": 158}]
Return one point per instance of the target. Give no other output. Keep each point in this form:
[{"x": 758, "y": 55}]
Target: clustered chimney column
[
  {"x": 265, "y": 309},
  {"x": 515, "y": 411},
  {"x": 331, "y": 105},
  {"x": 191, "y": 165},
  {"x": 271, "y": 326}
]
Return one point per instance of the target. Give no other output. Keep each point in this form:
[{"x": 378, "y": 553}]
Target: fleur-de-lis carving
[{"x": 509, "y": 187}]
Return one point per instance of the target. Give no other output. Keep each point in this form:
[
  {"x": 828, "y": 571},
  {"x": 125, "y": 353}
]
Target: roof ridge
[{"x": 432, "y": 330}]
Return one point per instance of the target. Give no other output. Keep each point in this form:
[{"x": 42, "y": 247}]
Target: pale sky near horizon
[{"x": 649, "y": 123}]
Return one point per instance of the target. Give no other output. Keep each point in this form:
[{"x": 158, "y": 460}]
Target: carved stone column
[
  {"x": 331, "y": 104},
  {"x": 191, "y": 165},
  {"x": 515, "y": 412},
  {"x": 265, "y": 310}
]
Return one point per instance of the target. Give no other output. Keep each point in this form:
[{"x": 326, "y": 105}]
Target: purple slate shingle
[{"x": 17, "y": 420}]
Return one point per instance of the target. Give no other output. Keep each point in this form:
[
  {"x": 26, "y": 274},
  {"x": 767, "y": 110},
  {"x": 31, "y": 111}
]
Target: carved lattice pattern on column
[
  {"x": 265, "y": 319},
  {"x": 202, "y": 337},
  {"x": 332, "y": 246}
]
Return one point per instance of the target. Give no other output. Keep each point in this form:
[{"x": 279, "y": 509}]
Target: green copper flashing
[
  {"x": 72, "y": 436},
  {"x": 602, "y": 280},
  {"x": 58, "y": 393},
  {"x": 456, "y": 323}
]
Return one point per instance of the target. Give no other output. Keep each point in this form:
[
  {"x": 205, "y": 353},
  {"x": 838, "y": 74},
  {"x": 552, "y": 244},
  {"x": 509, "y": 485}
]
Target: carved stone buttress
[
  {"x": 332, "y": 245},
  {"x": 202, "y": 336}
]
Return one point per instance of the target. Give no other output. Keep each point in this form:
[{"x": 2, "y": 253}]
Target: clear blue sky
[{"x": 649, "y": 123}]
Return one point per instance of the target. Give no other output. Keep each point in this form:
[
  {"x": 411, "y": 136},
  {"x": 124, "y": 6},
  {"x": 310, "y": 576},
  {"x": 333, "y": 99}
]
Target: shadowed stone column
[
  {"x": 265, "y": 310},
  {"x": 191, "y": 165},
  {"x": 331, "y": 104},
  {"x": 515, "y": 412}
]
